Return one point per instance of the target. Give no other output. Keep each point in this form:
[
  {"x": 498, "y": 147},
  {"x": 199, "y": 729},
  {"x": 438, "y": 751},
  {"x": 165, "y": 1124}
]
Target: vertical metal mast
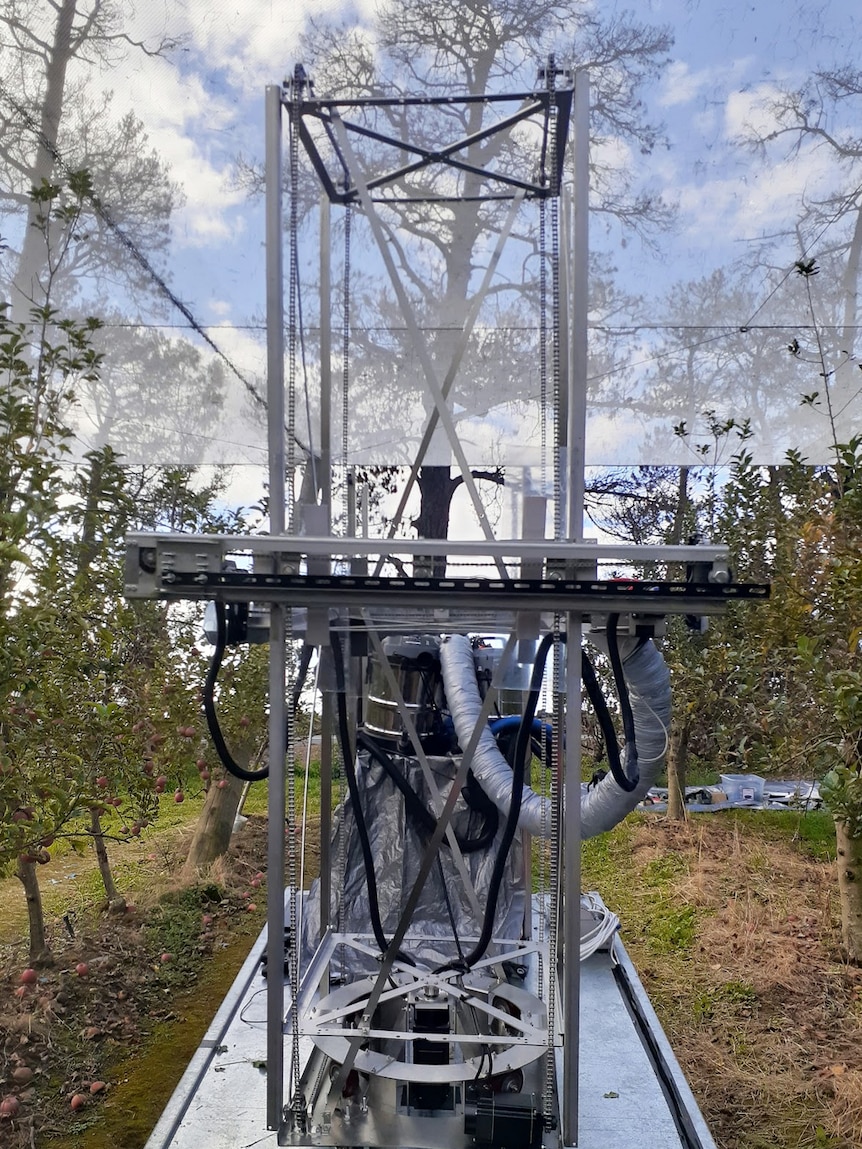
[
  {"x": 277, "y": 651},
  {"x": 575, "y": 442}
]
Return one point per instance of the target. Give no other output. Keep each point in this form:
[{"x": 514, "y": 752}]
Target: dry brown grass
[{"x": 762, "y": 1011}]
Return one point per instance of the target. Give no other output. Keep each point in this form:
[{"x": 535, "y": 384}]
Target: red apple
[
  {"x": 29, "y": 977},
  {"x": 78, "y": 1101},
  {"x": 165, "y": 958},
  {"x": 82, "y": 969},
  {"x": 179, "y": 796},
  {"x": 9, "y": 1106}
]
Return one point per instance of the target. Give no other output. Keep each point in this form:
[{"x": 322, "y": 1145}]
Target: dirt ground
[
  {"x": 120, "y": 983},
  {"x": 734, "y": 931}
]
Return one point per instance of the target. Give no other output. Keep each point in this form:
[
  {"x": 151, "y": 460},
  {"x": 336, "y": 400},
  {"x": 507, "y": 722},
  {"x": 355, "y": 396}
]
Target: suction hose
[{"x": 602, "y": 807}]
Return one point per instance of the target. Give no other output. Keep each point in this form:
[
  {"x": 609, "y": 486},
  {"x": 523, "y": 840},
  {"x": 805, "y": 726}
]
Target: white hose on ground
[{"x": 606, "y": 804}]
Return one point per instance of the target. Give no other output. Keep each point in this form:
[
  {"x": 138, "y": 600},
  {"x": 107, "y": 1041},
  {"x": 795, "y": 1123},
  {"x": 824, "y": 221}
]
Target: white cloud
[
  {"x": 190, "y": 128},
  {"x": 682, "y": 85},
  {"x": 749, "y": 110}
]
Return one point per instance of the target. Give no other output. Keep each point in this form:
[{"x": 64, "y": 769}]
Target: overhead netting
[{"x": 726, "y": 190}]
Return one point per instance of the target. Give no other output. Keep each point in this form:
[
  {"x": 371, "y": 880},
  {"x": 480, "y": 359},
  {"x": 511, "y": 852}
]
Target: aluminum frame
[{"x": 191, "y": 567}]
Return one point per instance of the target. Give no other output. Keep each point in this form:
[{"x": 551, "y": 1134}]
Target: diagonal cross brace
[
  {"x": 457, "y": 355},
  {"x": 419, "y": 342}
]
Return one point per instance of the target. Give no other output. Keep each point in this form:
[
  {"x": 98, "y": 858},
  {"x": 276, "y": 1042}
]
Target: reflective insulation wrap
[
  {"x": 648, "y": 680},
  {"x": 605, "y": 805},
  {"x": 491, "y": 770},
  {"x": 398, "y": 849}
]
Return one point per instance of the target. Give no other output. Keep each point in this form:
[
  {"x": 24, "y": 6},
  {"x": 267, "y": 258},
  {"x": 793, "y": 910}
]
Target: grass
[
  {"x": 813, "y": 831},
  {"x": 732, "y": 921}
]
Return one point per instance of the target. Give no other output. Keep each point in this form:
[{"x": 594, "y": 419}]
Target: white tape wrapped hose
[{"x": 606, "y": 804}]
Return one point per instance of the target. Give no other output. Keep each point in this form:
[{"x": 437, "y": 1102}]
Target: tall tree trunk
[
  {"x": 850, "y": 891},
  {"x": 214, "y": 827},
  {"x": 116, "y": 901},
  {"x": 40, "y": 951},
  {"x": 32, "y": 258},
  {"x": 88, "y": 547},
  {"x": 677, "y": 765},
  {"x": 436, "y": 488},
  {"x": 683, "y": 508}
]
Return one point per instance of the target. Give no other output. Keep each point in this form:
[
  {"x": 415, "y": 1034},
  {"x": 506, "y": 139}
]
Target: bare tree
[
  {"x": 475, "y": 48},
  {"x": 51, "y": 125}
]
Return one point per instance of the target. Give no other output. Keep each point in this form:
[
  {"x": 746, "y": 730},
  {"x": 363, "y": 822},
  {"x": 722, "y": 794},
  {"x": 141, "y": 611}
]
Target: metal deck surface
[{"x": 220, "y": 1102}]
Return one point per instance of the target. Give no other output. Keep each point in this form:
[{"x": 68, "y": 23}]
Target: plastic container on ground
[{"x": 742, "y": 787}]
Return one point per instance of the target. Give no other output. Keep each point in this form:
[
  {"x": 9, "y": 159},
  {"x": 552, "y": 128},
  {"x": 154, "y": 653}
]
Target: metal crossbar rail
[
  {"x": 531, "y": 104},
  {"x": 616, "y": 596},
  {"x": 311, "y": 546},
  {"x": 193, "y": 567}
]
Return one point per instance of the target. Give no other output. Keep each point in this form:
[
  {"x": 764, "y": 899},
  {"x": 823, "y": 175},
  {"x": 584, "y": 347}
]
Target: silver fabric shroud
[{"x": 398, "y": 846}]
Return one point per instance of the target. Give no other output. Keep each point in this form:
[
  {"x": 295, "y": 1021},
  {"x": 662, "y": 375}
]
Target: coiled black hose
[
  {"x": 629, "y": 768},
  {"x": 519, "y": 769},
  {"x": 606, "y": 724},
  {"x": 221, "y": 746},
  {"x": 347, "y": 754}
]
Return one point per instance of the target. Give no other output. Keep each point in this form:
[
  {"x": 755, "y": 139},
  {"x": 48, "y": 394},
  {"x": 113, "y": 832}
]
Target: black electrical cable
[
  {"x": 519, "y": 769},
  {"x": 221, "y": 747},
  {"x": 347, "y": 754},
  {"x": 630, "y": 765},
  {"x": 449, "y": 909},
  {"x": 419, "y": 812},
  {"x": 606, "y": 724}
]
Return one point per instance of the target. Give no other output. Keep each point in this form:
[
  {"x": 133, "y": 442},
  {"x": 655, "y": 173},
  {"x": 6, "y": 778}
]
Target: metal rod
[
  {"x": 561, "y": 95},
  {"x": 570, "y": 967},
  {"x": 578, "y": 350},
  {"x": 277, "y": 653},
  {"x": 325, "y": 355},
  {"x": 576, "y": 444},
  {"x": 310, "y": 545},
  {"x": 327, "y": 727}
]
